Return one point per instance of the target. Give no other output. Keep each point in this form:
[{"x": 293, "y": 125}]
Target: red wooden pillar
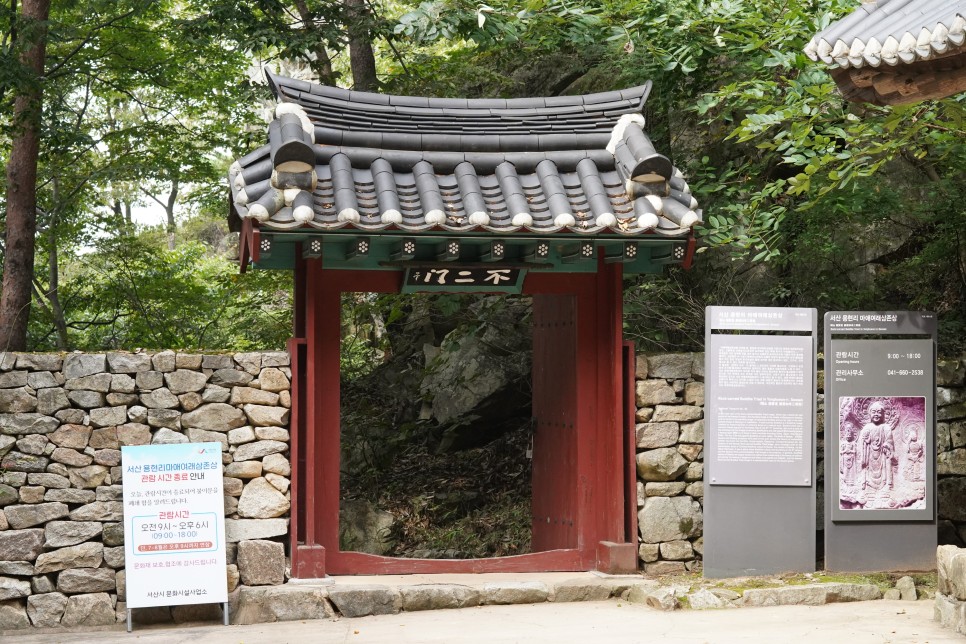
[{"x": 316, "y": 481}]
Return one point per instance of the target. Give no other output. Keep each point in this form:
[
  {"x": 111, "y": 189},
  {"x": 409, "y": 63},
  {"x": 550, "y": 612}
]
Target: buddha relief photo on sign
[{"x": 881, "y": 452}]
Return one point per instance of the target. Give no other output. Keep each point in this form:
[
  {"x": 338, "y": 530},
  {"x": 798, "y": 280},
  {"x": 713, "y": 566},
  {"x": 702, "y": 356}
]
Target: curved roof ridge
[{"x": 342, "y": 109}]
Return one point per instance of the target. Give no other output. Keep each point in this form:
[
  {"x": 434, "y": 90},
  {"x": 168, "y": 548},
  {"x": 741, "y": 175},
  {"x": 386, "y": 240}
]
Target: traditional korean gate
[{"x": 555, "y": 198}]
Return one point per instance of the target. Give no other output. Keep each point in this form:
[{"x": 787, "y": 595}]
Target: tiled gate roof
[
  {"x": 339, "y": 160},
  {"x": 896, "y": 51}
]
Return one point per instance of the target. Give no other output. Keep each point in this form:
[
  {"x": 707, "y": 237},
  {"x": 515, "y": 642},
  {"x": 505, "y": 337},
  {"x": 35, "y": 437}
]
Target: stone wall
[
  {"x": 63, "y": 420},
  {"x": 670, "y": 461},
  {"x": 670, "y": 458}
]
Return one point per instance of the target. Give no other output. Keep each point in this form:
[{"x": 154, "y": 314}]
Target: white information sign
[{"x": 174, "y": 524}]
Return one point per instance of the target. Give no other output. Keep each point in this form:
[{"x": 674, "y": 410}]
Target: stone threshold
[{"x": 335, "y": 597}]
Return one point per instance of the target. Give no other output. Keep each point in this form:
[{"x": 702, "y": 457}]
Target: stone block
[
  {"x": 32, "y": 494},
  {"x": 13, "y": 616},
  {"x": 662, "y": 464},
  {"x": 72, "y": 416},
  {"x": 71, "y": 457},
  {"x": 20, "y": 400},
  {"x": 40, "y": 361},
  {"x": 86, "y": 580},
  {"x": 250, "y": 363},
  {"x": 133, "y": 434},
  {"x": 265, "y": 416},
  {"x": 16, "y": 568},
  {"x": 11, "y": 588},
  {"x": 241, "y": 435},
  {"x": 244, "y": 469},
  {"x": 34, "y": 444},
  {"x": 670, "y": 519},
  {"x": 694, "y": 393},
  {"x": 89, "y": 610},
  {"x": 182, "y": 381},
  {"x": 275, "y": 359},
  {"x": 71, "y": 436},
  {"x": 160, "y": 398},
  {"x": 691, "y": 452},
  {"x": 20, "y": 462},
  {"x": 107, "y": 457},
  {"x": 163, "y": 361},
  {"x": 230, "y": 378},
  {"x": 215, "y": 394},
  {"x": 654, "y": 435},
  {"x": 84, "y": 555},
  {"x": 361, "y": 600},
  {"x": 907, "y": 588},
  {"x": 277, "y": 464},
  {"x": 50, "y": 401},
  {"x": 261, "y": 563},
  {"x": 78, "y": 365},
  {"x": 46, "y": 609},
  {"x": 258, "y": 449},
  {"x": 237, "y": 530},
  {"x": 196, "y": 435},
  {"x": 670, "y": 365},
  {"x": 123, "y": 384},
  {"x": 438, "y": 596},
  {"x": 13, "y": 379},
  {"x": 676, "y": 413},
  {"x": 6, "y": 444},
  {"x": 266, "y": 604},
  {"x": 952, "y": 462},
  {"x": 113, "y": 534},
  {"x": 110, "y": 493},
  {"x": 705, "y": 599},
  {"x": 108, "y": 416},
  {"x": 99, "y": 382},
  {"x": 514, "y": 592},
  {"x": 274, "y": 380},
  {"x": 665, "y": 568},
  {"x": 26, "y": 516},
  {"x": 149, "y": 380},
  {"x": 653, "y": 392},
  {"x": 44, "y": 380},
  {"x": 105, "y": 438},
  {"x": 164, "y": 418},
  {"x": 654, "y": 488},
  {"x": 8, "y": 495},
  {"x": 250, "y": 395},
  {"x": 218, "y": 417},
  {"x": 165, "y": 436},
  {"x": 88, "y": 478},
  {"x": 59, "y": 534},
  {"x": 69, "y": 495},
  {"x": 280, "y": 483},
  {"x": 27, "y": 423},
  {"x": 261, "y": 500},
  {"x": 692, "y": 432},
  {"x": 810, "y": 595},
  {"x": 99, "y": 511},
  {"x": 677, "y": 550},
  {"x": 121, "y": 400},
  {"x": 86, "y": 399}
]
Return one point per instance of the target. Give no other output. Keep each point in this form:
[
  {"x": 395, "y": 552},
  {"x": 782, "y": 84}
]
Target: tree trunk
[
  {"x": 322, "y": 65},
  {"x": 169, "y": 211},
  {"x": 361, "y": 58},
  {"x": 18, "y": 264}
]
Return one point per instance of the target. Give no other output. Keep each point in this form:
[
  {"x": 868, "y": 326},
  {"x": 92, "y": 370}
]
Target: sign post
[
  {"x": 174, "y": 526},
  {"x": 880, "y": 410},
  {"x": 759, "y": 493}
]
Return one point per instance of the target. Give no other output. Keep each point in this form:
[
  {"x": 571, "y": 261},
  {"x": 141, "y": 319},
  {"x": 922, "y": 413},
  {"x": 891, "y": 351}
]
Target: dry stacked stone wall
[
  {"x": 670, "y": 457},
  {"x": 63, "y": 421},
  {"x": 670, "y": 461}
]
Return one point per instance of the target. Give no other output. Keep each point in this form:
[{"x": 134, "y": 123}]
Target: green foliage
[{"x": 129, "y": 293}]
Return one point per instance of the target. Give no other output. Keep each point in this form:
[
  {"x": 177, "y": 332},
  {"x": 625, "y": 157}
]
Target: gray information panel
[
  {"x": 759, "y": 503},
  {"x": 880, "y": 493},
  {"x": 761, "y": 429}
]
